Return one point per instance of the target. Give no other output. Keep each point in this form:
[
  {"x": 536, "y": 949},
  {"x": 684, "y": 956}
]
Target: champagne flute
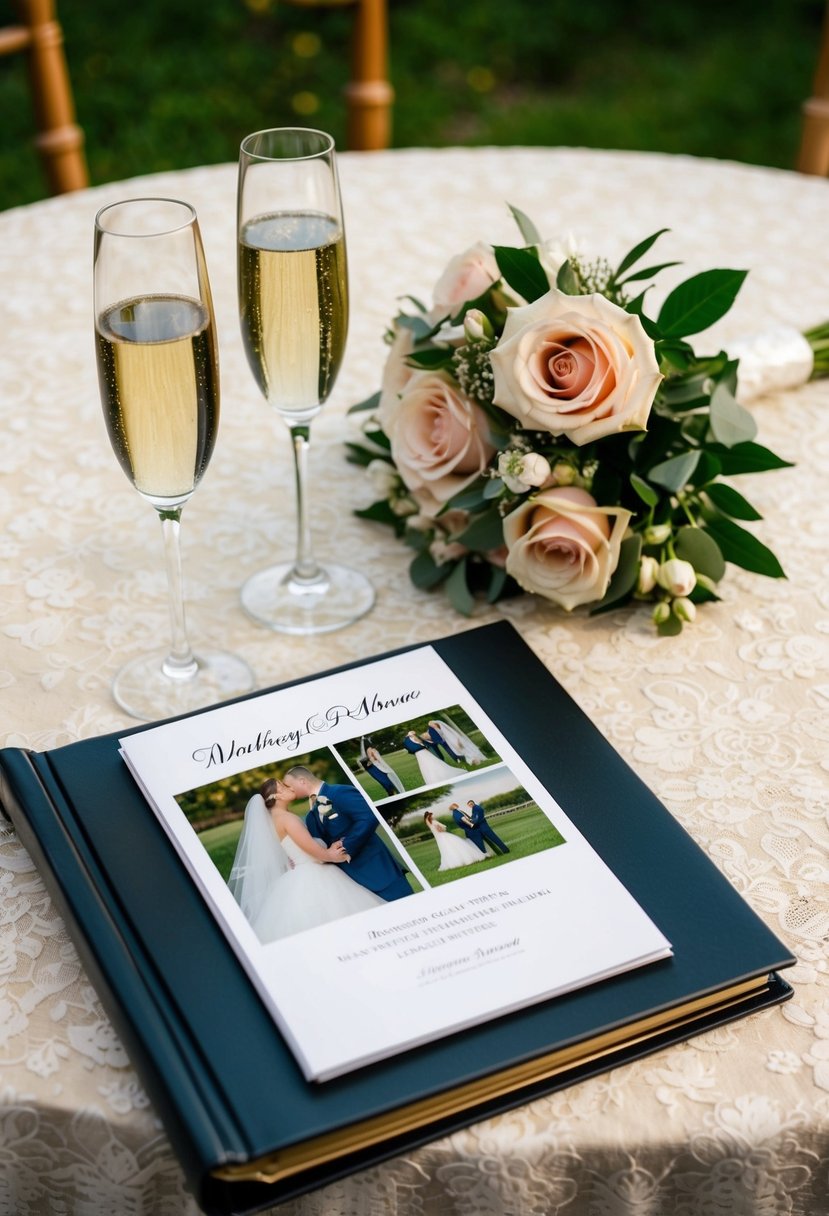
[
  {"x": 293, "y": 308},
  {"x": 158, "y": 372}
]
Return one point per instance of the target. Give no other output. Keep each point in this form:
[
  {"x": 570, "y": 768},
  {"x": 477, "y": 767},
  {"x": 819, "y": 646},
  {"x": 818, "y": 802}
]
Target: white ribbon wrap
[{"x": 771, "y": 361}]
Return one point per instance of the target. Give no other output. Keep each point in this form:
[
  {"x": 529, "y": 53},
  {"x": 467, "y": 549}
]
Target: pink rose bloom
[
  {"x": 578, "y": 366},
  {"x": 466, "y": 277},
  {"x": 564, "y": 546},
  {"x": 439, "y": 439},
  {"x": 396, "y": 374}
]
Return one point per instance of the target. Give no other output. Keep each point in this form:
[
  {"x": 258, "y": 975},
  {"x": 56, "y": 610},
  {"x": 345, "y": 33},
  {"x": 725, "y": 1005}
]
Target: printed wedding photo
[
  {"x": 474, "y": 824},
  {"x": 297, "y": 844},
  {"x": 436, "y": 747}
]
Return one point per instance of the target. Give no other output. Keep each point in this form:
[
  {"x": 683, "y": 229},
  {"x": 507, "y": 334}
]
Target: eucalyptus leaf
[
  {"x": 675, "y": 473},
  {"x": 702, "y": 551},
  {"x": 647, "y": 493},
  {"x": 699, "y": 302},
  {"x": 370, "y": 403},
  {"x": 731, "y": 502},
  {"x": 743, "y": 549},
  {"x": 730, "y": 422},
  {"x": 497, "y": 582},
  {"x": 425, "y": 572},
  {"x": 567, "y": 280},
  {"x": 522, "y": 271},
  {"x": 485, "y": 531},
  {"x": 637, "y": 252},
  {"x": 457, "y": 589},
  {"x": 471, "y": 499},
  {"x": 526, "y": 227},
  {"x": 493, "y": 488},
  {"x": 419, "y": 326},
  {"x": 623, "y": 582}
]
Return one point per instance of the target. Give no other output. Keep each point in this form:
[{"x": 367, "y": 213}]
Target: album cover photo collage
[{"x": 380, "y": 817}]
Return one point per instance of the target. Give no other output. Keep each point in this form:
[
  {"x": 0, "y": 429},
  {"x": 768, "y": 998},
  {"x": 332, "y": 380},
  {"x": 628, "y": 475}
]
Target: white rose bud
[
  {"x": 684, "y": 610},
  {"x": 535, "y": 469},
  {"x": 382, "y": 477},
  {"x": 707, "y": 583},
  {"x": 477, "y": 326},
  {"x": 660, "y": 613},
  {"x": 648, "y": 571},
  {"x": 657, "y": 534},
  {"x": 403, "y": 506},
  {"x": 677, "y": 576}
]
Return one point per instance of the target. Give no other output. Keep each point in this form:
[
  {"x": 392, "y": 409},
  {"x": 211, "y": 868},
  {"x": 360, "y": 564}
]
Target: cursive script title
[{"x": 221, "y": 751}]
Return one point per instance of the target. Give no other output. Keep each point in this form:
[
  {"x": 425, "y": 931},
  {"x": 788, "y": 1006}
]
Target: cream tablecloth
[{"x": 728, "y": 723}]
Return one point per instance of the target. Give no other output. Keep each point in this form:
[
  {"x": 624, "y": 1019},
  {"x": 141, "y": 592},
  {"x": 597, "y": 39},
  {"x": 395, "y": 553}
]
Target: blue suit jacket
[
  {"x": 477, "y": 814},
  {"x": 352, "y": 822},
  {"x": 413, "y": 747}
]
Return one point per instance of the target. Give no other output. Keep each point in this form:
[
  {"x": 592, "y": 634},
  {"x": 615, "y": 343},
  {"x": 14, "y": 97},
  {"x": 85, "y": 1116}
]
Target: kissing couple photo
[{"x": 292, "y": 868}]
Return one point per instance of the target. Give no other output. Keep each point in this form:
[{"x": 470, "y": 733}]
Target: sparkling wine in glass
[
  {"x": 155, "y": 340},
  {"x": 293, "y": 308}
]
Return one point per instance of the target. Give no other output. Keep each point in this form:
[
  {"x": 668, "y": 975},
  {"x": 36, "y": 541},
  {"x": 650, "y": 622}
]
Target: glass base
[
  {"x": 337, "y": 597},
  {"x": 144, "y": 691}
]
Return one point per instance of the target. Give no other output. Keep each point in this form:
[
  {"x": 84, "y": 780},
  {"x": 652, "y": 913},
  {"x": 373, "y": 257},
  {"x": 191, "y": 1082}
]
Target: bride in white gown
[
  {"x": 283, "y": 878},
  {"x": 460, "y": 743},
  {"x": 432, "y": 768},
  {"x": 455, "y": 851}
]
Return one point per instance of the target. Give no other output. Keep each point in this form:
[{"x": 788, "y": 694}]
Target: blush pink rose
[
  {"x": 396, "y": 375},
  {"x": 578, "y": 366},
  {"x": 564, "y": 546},
  {"x": 439, "y": 439},
  {"x": 466, "y": 277}
]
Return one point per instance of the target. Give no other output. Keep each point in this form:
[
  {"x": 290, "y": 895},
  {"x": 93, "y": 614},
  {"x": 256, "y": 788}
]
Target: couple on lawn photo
[
  {"x": 478, "y": 842},
  {"x": 428, "y": 746},
  {"x": 291, "y": 874}
]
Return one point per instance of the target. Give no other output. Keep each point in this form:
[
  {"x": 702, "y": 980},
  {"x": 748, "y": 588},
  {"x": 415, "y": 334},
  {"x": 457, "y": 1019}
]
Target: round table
[{"x": 728, "y": 723}]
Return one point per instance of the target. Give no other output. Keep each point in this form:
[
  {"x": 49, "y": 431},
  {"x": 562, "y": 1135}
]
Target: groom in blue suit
[
  {"x": 340, "y": 812},
  {"x": 467, "y": 826},
  {"x": 478, "y": 816}
]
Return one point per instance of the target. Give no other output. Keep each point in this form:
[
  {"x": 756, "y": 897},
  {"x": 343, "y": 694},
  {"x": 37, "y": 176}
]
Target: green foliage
[{"x": 165, "y": 84}]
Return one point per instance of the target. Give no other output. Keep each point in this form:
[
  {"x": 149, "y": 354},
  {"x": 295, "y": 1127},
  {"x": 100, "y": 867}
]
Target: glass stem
[
  {"x": 305, "y": 568},
  {"x": 180, "y": 663}
]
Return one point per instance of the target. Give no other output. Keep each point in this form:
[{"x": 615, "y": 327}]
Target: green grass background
[
  {"x": 405, "y": 765},
  {"x": 166, "y": 84},
  {"x": 524, "y": 831}
]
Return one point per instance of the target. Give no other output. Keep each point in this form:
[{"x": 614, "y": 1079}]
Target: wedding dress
[
  {"x": 460, "y": 743},
  {"x": 454, "y": 850},
  {"x": 432, "y": 768},
  {"x": 384, "y": 767},
  {"x": 281, "y": 888}
]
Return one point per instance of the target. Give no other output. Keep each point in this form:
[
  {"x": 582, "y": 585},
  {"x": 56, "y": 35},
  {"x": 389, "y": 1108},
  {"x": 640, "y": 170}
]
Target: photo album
[
  {"x": 371, "y": 843},
  {"x": 339, "y": 917}
]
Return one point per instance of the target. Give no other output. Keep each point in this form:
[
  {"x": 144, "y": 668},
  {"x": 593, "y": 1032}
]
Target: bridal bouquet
[{"x": 537, "y": 429}]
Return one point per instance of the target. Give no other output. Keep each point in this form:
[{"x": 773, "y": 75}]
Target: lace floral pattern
[{"x": 729, "y": 723}]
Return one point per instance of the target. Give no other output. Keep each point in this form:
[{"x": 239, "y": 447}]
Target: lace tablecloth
[{"x": 728, "y": 723}]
